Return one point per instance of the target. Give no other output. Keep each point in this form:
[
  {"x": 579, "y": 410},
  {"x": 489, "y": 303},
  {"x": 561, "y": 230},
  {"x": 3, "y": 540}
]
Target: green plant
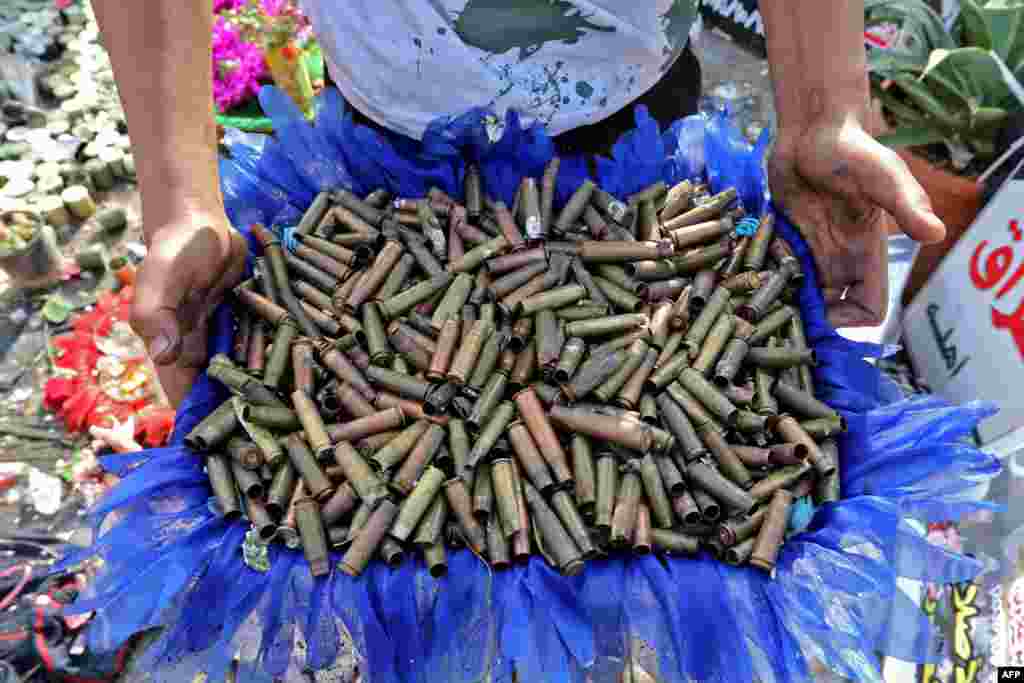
[{"x": 955, "y": 88}]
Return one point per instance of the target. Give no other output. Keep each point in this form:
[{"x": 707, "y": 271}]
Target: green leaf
[
  {"x": 912, "y": 137},
  {"x": 974, "y": 70},
  {"x": 922, "y": 29},
  {"x": 994, "y": 25}
]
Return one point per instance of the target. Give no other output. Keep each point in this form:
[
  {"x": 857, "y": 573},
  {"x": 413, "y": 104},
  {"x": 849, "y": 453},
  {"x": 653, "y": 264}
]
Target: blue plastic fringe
[{"x": 169, "y": 561}]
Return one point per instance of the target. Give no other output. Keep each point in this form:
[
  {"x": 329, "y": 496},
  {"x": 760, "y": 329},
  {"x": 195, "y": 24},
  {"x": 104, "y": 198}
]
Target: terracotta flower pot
[{"x": 956, "y": 200}]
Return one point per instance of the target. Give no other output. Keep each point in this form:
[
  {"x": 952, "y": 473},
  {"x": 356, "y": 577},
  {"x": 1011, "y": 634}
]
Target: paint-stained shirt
[{"x": 566, "y": 63}]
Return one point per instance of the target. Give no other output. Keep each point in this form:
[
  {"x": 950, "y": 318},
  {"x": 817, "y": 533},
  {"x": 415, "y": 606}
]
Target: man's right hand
[{"x": 191, "y": 262}]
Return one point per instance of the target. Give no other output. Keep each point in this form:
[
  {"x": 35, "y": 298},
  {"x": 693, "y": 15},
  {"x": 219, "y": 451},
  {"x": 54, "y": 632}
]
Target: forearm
[
  {"x": 160, "y": 51},
  {"x": 818, "y": 64}
]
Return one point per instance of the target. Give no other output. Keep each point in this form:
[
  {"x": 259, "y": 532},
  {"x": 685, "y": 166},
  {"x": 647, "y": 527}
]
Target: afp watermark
[{"x": 1010, "y": 673}]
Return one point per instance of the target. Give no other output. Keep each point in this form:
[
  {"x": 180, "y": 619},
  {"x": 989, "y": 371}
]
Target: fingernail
[{"x": 160, "y": 346}]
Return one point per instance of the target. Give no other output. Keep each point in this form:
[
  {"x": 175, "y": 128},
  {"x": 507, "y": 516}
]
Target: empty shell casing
[
  {"x": 404, "y": 301},
  {"x": 705, "y": 211},
  {"x": 682, "y": 428},
  {"x": 585, "y": 474},
  {"x": 701, "y": 233},
  {"x": 710, "y": 509},
  {"x": 404, "y": 339},
  {"x": 497, "y": 422},
  {"x": 214, "y": 429},
  {"x": 304, "y": 366},
  {"x": 530, "y": 209},
  {"x": 312, "y": 423},
  {"x": 551, "y": 299},
  {"x": 557, "y": 541},
  {"x": 739, "y": 528},
  {"x": 594, "y": 372},
  {"x": 280, "y": 353},
  {"x": 674, "y": 543},
  {"x": 635, "y": 356},
  {"x": 569, "y": 359},
  {"x": 418, "y": 459},
  {"x": 772, "y": 323},
  {"x": 607, "y": 325},
  {"x": 343, "y": 368},
  {"x": 513, "y": 280},
  {"x": 376, "y": 423},
  {"x": 499, "y": 551},
  {"x": 415, "y": 506},
  {"x": 781, "y": 478},
  {"x": 517, "y": 261},
  {"x": 626, "y": 502},
  {"x": 461, "y": 505},
  {"x": 282, "y": 487},
  {"x": 533, "y": 415},
  {"x": 733, "y": 355},
  {"x": 549, "y": 339},
  {"x": 714, "y": 344},
  {"x": 376, "y": 336},
  {"x": 446, "y": 343},
  {"x": 752, "y": 456},
  {"x": 352, "y": 401},
  {"x": 364, "y": 480},
  {"x": 629, "y": 395},
  {"x": 709, "y": 395},
  {"x": 801, "y": 403},
  {"x": 222, "y": 481},
  {"x": 752, "y": 423},
  {"x": 701, "y": 327},
  {"x": 374, "y": 277},
  {"x": 729, "y": 463},
  {"x": 618, "y": 295},
  {"x": 482, "y": 253},
  {"x": 340, "y": 504},
  {"x": 671, "y": 476},
  {"x": 529, "y": 457},
  {"x": 403, "y": 385},
  {"x": 314, "y": 538},
  {"x": 584, "y": 277},
  {"x": 607, "y": 490},
  {"x": 773, "y": 529},
  {"x": 648, "y": 226},
  {"x": 435, "y": 557},
  {"x": 747, "y": 281},
  {"x": 624, "y": 251},
  {"x": 365, "y": 544},
  {"x": 668, "y": 372},
  {"x": 574, "y": 208},
  {"x": 521, "y": 331},
  {"x": 469, "y": 349},
  {"x": 827, "y": 488},
  {"x": 244, "y": 452},
  {"x": 565, "y": 507},
  {"x": 788, "y": 453},
  {"x": 642, "y": 543},
  {"x": 758, "y": 249},
  {"x": 635, "y": 435},
  {"x": 503, "y": 484},
  {"x": 792, "y": 432},
  {"x": 483, "y": 492},
  {"x": 473, "y": 190},
  {"x": 657, "y": 495},
  {"x": 693, "y": 260},
  {"x": 703, "y": 287},
  {"x": 317, "y": 483},
  {"x": 758, "y": 304},
  {"x": 736, "y": 257},
  {"x": 677, "y": 199},
  {"x": 707, "y": 478},
  {"x": 507, "y": 225},
  {"x": 488, "y": 400},
  {"x": 430, "y": 529},
  {"x": 739, "y": 554},
  {"x": 686, "y": 508},
  {"x": 824, "y": 427},
  {"x": 488, "y": 360},
  {"x": 455, "y": 297}
]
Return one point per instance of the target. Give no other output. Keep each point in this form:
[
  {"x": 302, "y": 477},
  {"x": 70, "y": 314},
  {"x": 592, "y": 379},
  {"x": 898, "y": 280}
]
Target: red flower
[{"x": 154, "y": 428}]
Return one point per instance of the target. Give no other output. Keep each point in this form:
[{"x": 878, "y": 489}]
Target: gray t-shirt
[{"x": 566, "y": 63}]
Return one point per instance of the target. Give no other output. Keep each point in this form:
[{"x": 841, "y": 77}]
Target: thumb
[
  {"x": 886, "y": 181},
  {"x": 154, "y": 317}
]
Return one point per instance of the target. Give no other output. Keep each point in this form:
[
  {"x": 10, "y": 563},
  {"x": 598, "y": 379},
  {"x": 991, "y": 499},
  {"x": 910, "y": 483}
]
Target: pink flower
[
  {"x": 237, "y": 66},
  {"x": 221, "y": 5}
]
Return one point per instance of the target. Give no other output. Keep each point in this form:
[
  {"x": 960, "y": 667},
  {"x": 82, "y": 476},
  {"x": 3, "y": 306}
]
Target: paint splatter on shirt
[{"x": 566, "y": 63}]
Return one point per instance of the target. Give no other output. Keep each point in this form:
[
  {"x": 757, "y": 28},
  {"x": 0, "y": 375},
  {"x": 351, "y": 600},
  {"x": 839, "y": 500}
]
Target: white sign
[{"x": 965, "y": 329}]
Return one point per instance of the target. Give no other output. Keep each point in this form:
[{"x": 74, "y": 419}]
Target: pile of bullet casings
[{"x": 621, "y": 376}]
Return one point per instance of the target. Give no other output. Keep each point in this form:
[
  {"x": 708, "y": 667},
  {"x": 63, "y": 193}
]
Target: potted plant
[{"x": 946, "y": 96}]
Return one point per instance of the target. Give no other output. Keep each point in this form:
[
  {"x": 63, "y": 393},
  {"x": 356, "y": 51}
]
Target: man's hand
[
  {"x": 842, "y": 189},
  {"x": 191, "y": 263}
]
